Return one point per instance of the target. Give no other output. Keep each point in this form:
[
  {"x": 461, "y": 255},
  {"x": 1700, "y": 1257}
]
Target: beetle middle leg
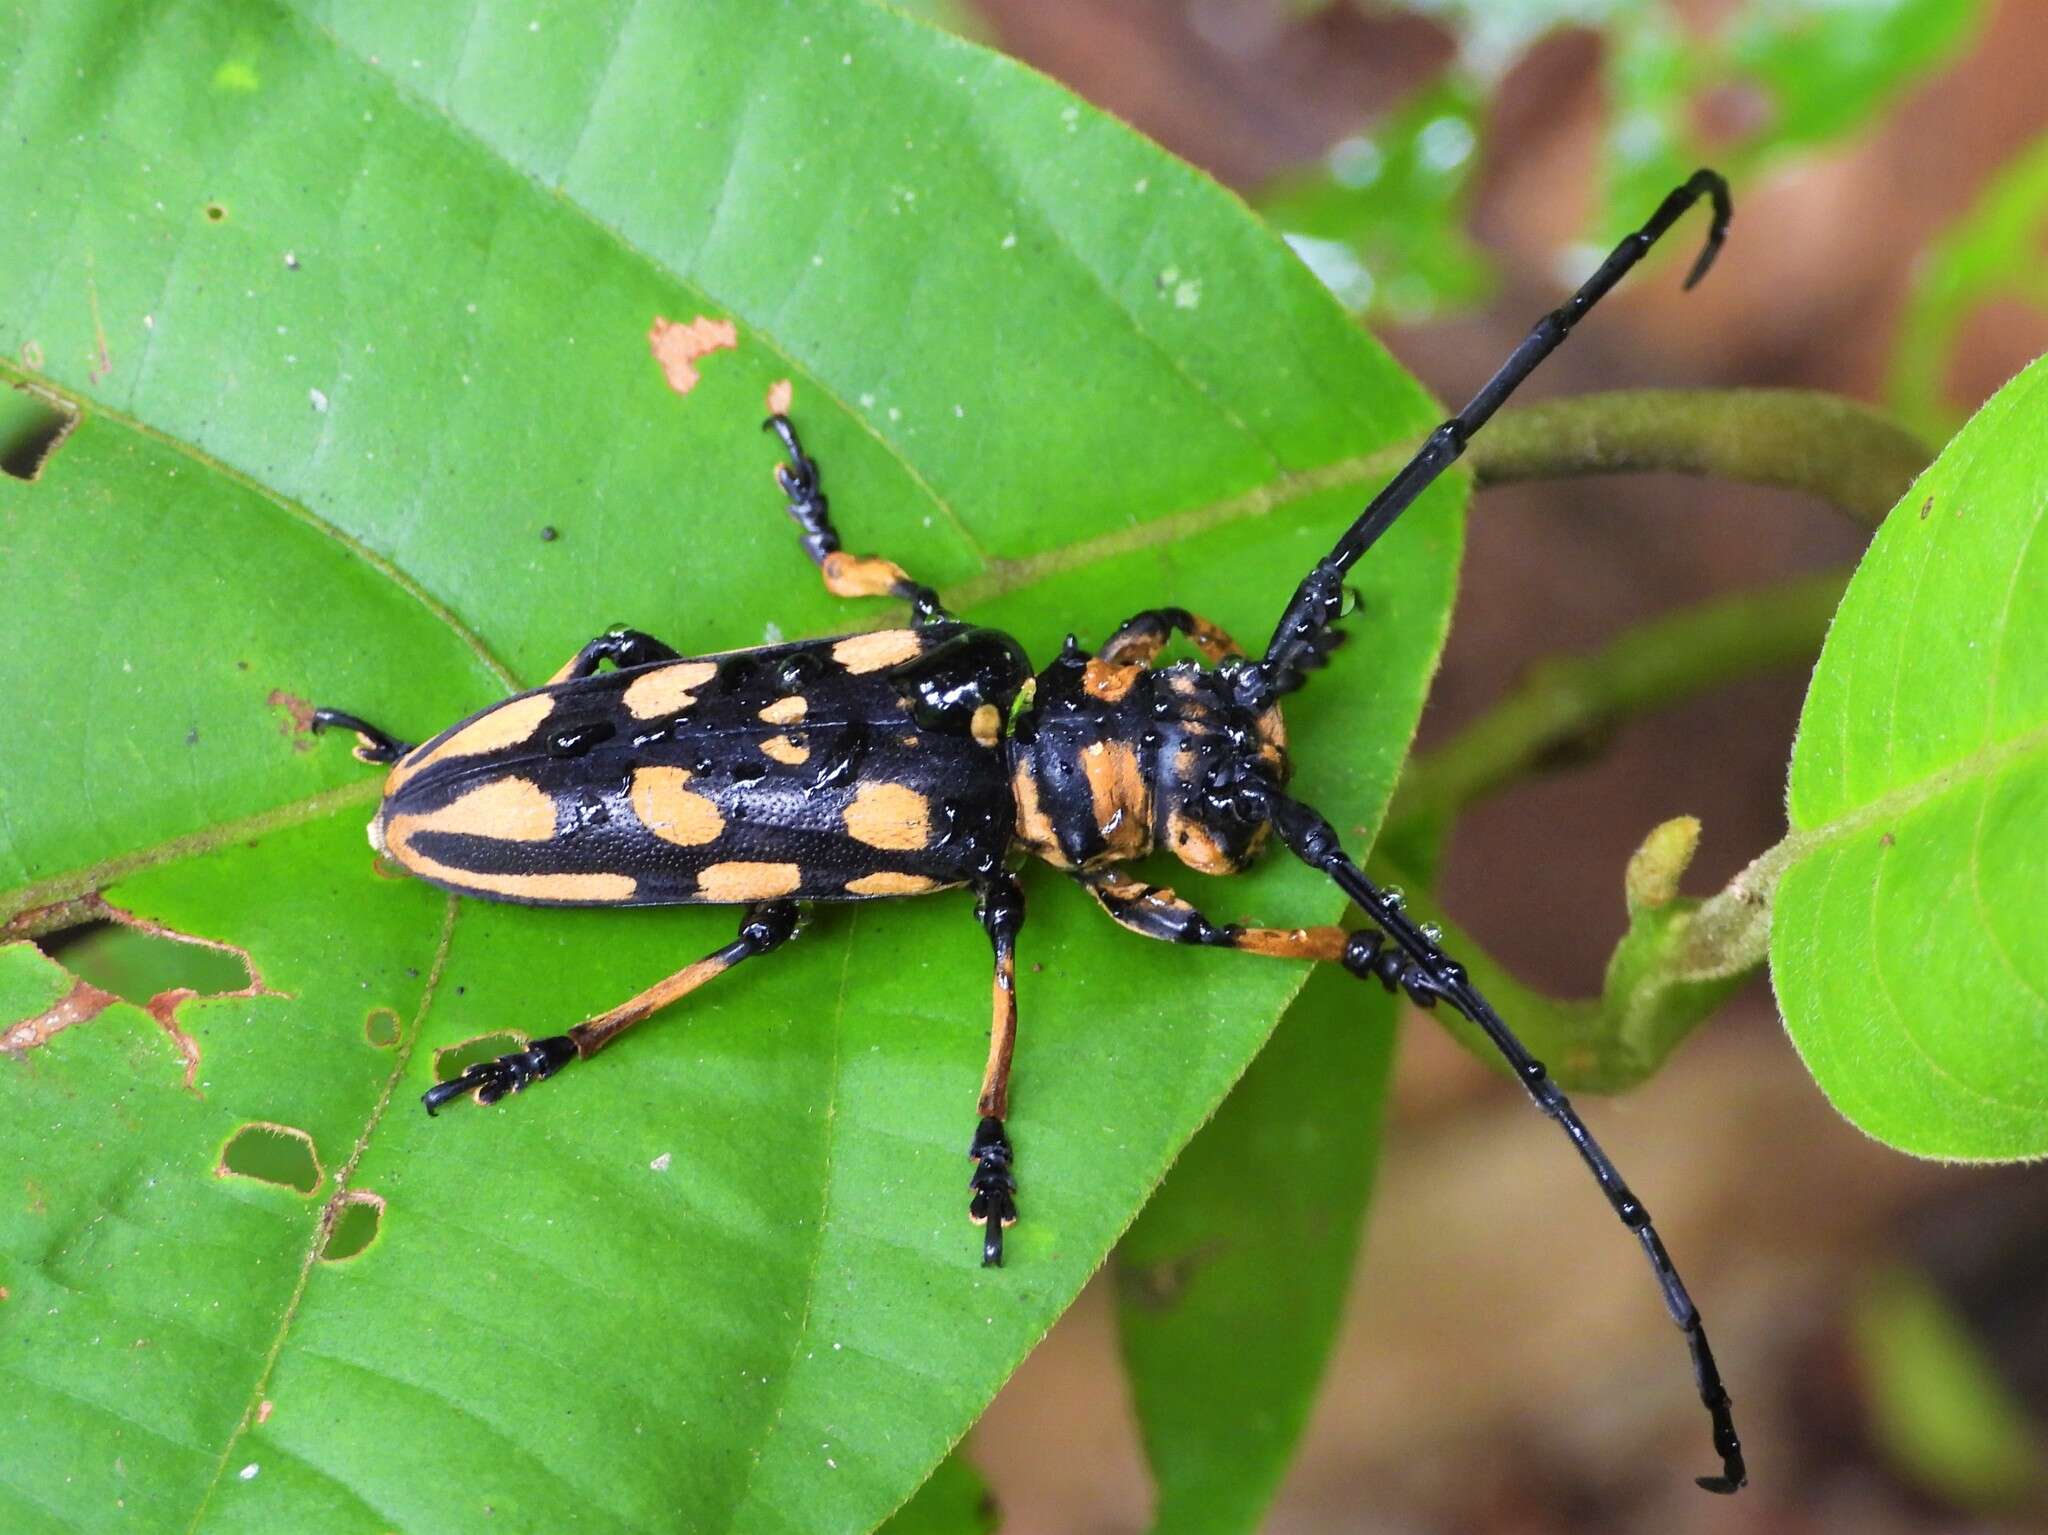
[
  {"x": 765, "y": 926},
  {"x": 621, "y": 647},
  {"x": 994, "y": 1206},
  {"x": 845, "y": 575}
]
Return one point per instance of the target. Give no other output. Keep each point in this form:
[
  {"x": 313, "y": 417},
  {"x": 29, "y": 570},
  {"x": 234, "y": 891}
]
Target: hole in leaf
[
  {"x": 352, "y": 1224},
  {"x": 32, "y": 427},
  {"x": 138, "y": 964},
  {"x": 381, "y": 1028},
  {"x": 271, "y": 1154},
  {"x": 449, "y": 1063},
  {"x": 121, "y": 957}
]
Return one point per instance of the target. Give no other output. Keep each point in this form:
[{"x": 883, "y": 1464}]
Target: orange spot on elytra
[{"x": 677, "y": 347}]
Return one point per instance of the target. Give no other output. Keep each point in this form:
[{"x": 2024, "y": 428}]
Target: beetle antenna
[
  {"x": 1416, "y": 965},
  {"x": 1318, "y": 601}
]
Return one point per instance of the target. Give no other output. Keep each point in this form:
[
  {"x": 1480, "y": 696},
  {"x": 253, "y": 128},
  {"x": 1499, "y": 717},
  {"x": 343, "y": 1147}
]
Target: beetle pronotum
[{"x": 910, "y": 760}]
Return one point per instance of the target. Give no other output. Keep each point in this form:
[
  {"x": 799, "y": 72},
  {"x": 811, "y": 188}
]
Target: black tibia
[
  {"x": 1317, "y": 602},
  {"x": 1143, "y": 635},
  {"x": 1000, "y": 907},
  {"x": 621, "y": 647},
  {"x": 1406, "y": 958},
  {"x": 846, "y": 575},
  {"x": 372, "y": 744},
  {"x": 764, "y": 927}
]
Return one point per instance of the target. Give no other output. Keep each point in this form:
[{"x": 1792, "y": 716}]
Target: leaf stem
[
  {"x": 1568, "y": 702},
  {"x": 1680, "y": 958},
  {"x": 1853, "y": 457}
]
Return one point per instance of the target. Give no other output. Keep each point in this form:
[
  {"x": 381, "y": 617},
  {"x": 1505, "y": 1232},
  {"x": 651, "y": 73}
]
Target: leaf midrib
[
  {"x": 1982, "y": 764},
  {"x": 559, "y": 197},
  {"x": 85, "y": 405}
]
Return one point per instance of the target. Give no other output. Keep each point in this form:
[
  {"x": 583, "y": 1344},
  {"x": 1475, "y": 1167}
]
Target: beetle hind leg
[
  {"x": 845, "y": 575},
  {"x": 766, "y": 926},
  {"x": 489, "y": 1081},
  {"x": 372, "y": 744}
]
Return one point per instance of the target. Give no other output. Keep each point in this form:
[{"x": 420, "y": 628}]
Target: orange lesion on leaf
[
  {"x": 780, "y": 393},
  {"x": 86, "y": 1001},
  {"x": 297, "y": 721},
  {"x": 677, "y": 347},
  {"x": 163, "y": 1007},
  {"x": 82, "y": 1003}
]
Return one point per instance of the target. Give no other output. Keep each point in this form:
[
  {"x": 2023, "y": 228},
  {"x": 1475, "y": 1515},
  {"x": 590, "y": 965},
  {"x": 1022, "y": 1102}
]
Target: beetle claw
[
  {"x": 994, "y": 1205},
  {"x": 488, "y": 1081}
]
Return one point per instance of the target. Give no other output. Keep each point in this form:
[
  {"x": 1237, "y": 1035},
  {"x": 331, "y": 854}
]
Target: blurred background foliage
[{"x": 1448, "y": 167}]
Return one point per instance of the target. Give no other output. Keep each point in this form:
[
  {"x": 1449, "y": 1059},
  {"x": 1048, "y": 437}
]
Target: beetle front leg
[
  {"x": 845, "y": 575},
  {"x": 1143, "y": 635},
  {"x": 766, "y": 926},
  {"x": 372, "y": 744},
  {"x": 994, "y": 1206},
  {"x": 1153, "y": 911}
]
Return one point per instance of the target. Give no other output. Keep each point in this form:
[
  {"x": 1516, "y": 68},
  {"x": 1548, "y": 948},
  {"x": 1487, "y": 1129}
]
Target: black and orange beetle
[{"x": 926, "y": 758}]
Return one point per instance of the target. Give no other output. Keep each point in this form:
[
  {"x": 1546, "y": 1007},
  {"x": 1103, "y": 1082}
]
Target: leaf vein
[
  {"x": 564, "y": 198},
  {"x": 341, "y": 1183}
]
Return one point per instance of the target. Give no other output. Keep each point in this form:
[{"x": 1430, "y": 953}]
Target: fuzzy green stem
[
  {"x": 1846, "y": 454},
  {"x": 1566, "y": 703},
  {"x": 1679, "y": 958}
]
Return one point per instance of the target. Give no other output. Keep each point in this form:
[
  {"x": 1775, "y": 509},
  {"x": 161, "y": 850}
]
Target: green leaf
[
  {"x": 954, "y": 1502},
  {"x": 1905, "y": 929},
  {"x": 1231, "y": 1283},
  {"x": 1738, "y": 92},
  {"x": 1827, "y": 69},
  {"x": 1787, "y": 75},
  {"x": 1991, "y": 253},
  {"x": 1937, "y": 1405},
  {"x": 1380, "y": 221},
  {"x": 1651, "y": 67},
  {"x": 353, "y": 301}
]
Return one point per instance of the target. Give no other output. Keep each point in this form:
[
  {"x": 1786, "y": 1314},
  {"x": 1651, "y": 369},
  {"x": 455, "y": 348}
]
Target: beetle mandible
[{"x": 904, "y": 761}]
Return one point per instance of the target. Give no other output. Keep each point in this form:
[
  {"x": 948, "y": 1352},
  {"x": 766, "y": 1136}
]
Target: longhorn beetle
[{"x": 905, "y": 761}]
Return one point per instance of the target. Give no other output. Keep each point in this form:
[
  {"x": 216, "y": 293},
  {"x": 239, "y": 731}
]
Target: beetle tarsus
[
  {"x": 811, "y": 510},
  {"x": 488, "y": 1081},
  {"x": 994, "y": 1205},
  {"x": 372, "y": 744}
]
